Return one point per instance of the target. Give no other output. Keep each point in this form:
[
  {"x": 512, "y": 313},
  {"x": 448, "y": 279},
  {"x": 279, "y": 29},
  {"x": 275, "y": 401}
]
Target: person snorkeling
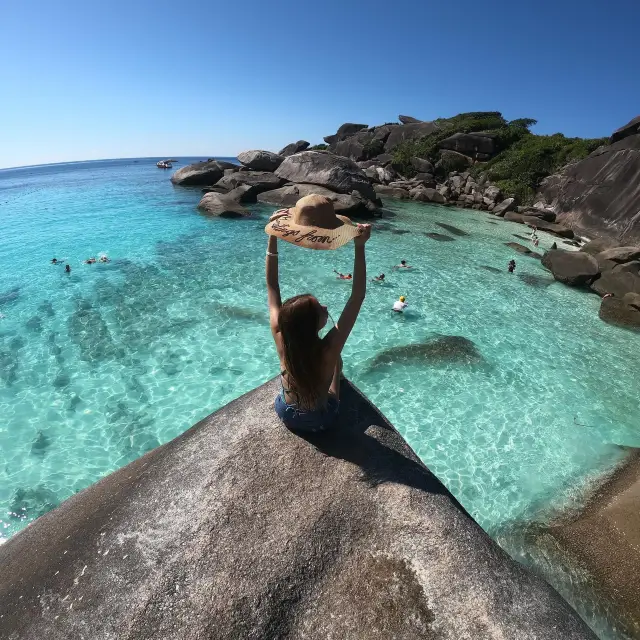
[
  {"x": 343, "y": 276},
  {"x": 379, "y": 278}
]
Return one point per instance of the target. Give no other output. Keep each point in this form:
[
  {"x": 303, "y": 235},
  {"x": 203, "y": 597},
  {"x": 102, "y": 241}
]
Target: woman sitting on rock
[{"x": 310, "y": 366}]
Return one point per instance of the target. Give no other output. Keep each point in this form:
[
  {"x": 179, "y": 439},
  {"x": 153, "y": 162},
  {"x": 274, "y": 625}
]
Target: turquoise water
[{"x": 100, "y": 366}]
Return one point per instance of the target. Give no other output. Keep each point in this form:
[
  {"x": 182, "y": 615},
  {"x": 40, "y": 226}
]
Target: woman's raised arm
[{"x": 273, "y": 284}]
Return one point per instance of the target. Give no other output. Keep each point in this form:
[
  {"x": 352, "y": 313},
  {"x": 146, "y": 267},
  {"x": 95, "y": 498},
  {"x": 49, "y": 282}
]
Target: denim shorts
[{"x": 307, "y": 421}]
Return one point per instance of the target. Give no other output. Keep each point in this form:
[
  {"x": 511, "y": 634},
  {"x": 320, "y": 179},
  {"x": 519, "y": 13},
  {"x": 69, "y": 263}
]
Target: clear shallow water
[{"x": 100, "y": 366}]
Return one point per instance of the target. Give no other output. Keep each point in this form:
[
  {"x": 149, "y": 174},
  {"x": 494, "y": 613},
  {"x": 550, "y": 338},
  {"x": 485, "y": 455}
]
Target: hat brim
[{"x": 312, "y": 237}]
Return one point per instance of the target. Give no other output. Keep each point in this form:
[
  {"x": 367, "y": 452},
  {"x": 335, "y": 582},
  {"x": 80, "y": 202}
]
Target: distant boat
[{"x": 164, "y": 164}]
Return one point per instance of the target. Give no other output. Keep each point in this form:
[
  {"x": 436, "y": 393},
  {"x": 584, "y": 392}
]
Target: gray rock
[
  {"x": 259, "y": 160},
  {"x": 391, "y": 192},
  {"x": 631, "y": 128},
  {"x": 240, "y": 529},
  {"x": 623, "y": 312},
  {"x": 216, "y": 204},
  {"x": 228, "y": 172},
  {"x": 428, "y": 195},
  {"x": 344, "y": 131},
  {"x": 259, "y": 180},
  {"x": 617, "y": 282},
  {"x": 512, "y": 216},
  {"x": 408, "y": 120},
  {"x": 422, "y": 166},
  {"x": 345, "y": 204},
  {"x": 550, "y": 227},
  {"x": 199, "y": 173},
  {"x": 598, "y": 245},
  {"x": 452, "y": 161},
  {"x": 384, "y": 159},
  {"x": 492, "y": 192},
  {"x": 628, "y": 267},
  {"x": 502, "y": 207},
  {"x": 409, "y": 132},
  {"x": 543, "y": 214},
  {"x": 609, "y": 258},
  {"x": 386, "y": 175},
  {"x": 226, "y": 165},
  {"x": 242, "y": 193},
  {"x": 294, "y": 147},
  {"x": 571, "y": 267},
  {"x": 600, "y": 195},
  {"x": 471, "y": 144},
  {"x": 327, "y": 170},
  {"x": 382, "y": 132}
]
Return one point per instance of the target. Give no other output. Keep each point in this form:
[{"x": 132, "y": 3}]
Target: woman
[{"x": 310, "y": 366}]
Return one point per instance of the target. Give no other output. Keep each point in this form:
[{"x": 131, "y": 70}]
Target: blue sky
[{"x": 85, "y": 80}]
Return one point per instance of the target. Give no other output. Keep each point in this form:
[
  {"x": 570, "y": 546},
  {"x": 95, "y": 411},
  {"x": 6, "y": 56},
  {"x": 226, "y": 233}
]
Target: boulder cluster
[
  {"x": 612, "y": 272},
  {"x": 280, "y": 179}
]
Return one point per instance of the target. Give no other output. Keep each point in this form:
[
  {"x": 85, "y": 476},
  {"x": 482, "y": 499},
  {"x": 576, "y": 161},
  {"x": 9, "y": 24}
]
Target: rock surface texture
[
  {"x": 571, "y": 267},
  {"x": 600, "y": 194},
  {"x": 327, "y": 170},
  {"x": 223, "y": 206},
  {"x": 259, "y": 160},
  {"x": 198, "y": 173},
  {"x": 239, "y": 529}
]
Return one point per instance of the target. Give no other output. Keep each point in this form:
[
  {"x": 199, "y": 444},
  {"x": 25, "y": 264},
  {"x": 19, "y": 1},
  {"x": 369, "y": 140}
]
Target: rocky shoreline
[
  {"x": 359, "y": 168},
  {"x": 604, "y": 539}
]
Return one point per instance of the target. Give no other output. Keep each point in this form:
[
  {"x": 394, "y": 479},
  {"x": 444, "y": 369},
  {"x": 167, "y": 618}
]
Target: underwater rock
[
  {"x": 451, "y": 229},
  {"x": 32, "y": 503},
  {"x": 10, "y": 296},
  {"x": 46, "y": 308},
  {"x": 440, "y": 237},
  {"x": 492, "y": 269},
  {"x": 34, "y": 324},
  {"x": 540, "y": 282},
  {"x": 40, "y": 444},
  {"x": 437, "y": 351}
]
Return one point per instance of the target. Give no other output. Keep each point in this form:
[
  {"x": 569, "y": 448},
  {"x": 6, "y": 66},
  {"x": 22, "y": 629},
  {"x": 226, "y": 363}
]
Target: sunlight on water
[{"x": 100, "y": 366}]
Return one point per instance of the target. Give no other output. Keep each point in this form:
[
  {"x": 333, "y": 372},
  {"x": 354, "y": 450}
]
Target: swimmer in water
[
  {"x": 104, "y": 259},
  {"x": 54, "y": 261},
  {"x": 67, "y": 268},
  {"x": 403, "y": 265},
  {"x": 90, "y": 261},
  {"x": 400, "y": 305},
  {"x": 512, "y": 266},
  {"x": 343, "y": 276},
  {"x": 379, "y": 278}
]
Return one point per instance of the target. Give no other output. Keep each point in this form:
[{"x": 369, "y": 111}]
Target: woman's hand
[{"x": 364, "y": 234}]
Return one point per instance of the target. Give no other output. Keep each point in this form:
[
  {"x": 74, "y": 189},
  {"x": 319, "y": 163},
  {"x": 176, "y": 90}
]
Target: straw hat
[{"x": 313, "y": 224}]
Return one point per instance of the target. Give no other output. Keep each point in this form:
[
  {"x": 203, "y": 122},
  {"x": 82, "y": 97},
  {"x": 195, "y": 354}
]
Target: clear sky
[{"x": 92, "y": 79}]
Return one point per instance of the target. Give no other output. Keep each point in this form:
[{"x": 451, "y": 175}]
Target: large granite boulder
[
  {"x": 409, "y": 132},
  {"x": 222, "y": 206},
  {"x": 623, "y": 312},
  {"x": 508, "y": 204},
  {"x": 513, "y": 216},
  {"x": 631, "y": 128},
  {"x": 408, "y": 120},
  {"x": 610, "y": 258},
  {"x": 617, "y": 282},
  {"x": 198, "y": 173},
  {"x": 571, "y": 267},
  {"x": 425, "y": 194},
  {"x": 294, "y": 147},
  {"x": 344, "y": 131},
  {"x": 391, "y": 192},
  {"x": 259, "y": 181},
  {"x": 240, "y": 529},
  {"x": 600, "y": 195},
  {"x": 551, "y": 227},
  {"x": 383, "y": 131},
  {"x": 327, "y": 170},
  {"x": 355, "y": 147},
  {"x": 471, "y": 144},
  {"x": 348, "y": 204},
  {"x": 598, "y": 245},
  {"x": 543, "y": 214},
  {"x": 452, "y": 161},
  {"x": 422, "y": 166},
  {"x": 259, "y": 160}
]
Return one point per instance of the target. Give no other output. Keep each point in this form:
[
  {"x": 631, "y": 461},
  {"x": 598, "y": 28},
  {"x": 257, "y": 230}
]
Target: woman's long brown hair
[{"x": 298, "y": 323}]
